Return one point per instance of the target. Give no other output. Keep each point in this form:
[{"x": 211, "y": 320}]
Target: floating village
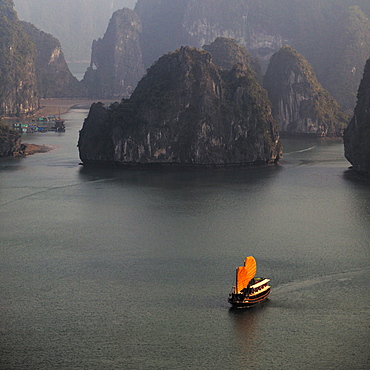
[{"x": 41, "y": 124}]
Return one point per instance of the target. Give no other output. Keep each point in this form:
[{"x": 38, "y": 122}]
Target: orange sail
[
  {"x": 244, "y": 274},
  {"x": 251, "y": 266}
]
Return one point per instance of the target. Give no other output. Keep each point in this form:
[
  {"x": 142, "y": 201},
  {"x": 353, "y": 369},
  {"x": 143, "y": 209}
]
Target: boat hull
[{"x": 241, "y": 301}]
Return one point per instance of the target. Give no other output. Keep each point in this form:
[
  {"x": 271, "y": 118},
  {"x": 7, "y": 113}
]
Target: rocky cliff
[
  {"x": 263, "y": 27},
  {"x": 10, "y": 141},
  {"x": 185, "y": 112},
  {"x": 54, "y": 79},
  {"x": 300, "y": 104},
  {"x": 357, "y": 134},
  {"x": 116, "y": 61},
  {"x": 18, "y": 87}
]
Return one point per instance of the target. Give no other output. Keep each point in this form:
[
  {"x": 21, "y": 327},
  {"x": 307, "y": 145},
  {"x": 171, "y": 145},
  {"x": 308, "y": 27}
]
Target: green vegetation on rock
[{"x": 226, "y": 53}]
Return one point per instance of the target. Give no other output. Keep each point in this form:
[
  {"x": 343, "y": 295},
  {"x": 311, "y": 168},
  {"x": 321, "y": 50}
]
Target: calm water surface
[{"x": 131, "y": 269}]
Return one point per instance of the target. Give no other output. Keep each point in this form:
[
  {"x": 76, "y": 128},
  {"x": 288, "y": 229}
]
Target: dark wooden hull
[{"x": 241, "y": 301}]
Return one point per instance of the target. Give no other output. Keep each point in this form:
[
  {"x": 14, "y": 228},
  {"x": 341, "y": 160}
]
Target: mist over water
[
  {"x": 112, "y": 268},
  {"x": 78, "y": 69}
]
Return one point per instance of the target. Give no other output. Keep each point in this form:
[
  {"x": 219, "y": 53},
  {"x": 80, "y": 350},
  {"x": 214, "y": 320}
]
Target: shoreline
[
  {"x": 51, "y": 107},
  {"x": 30, "y": 149},
  {"x": 56, "y": 106}
]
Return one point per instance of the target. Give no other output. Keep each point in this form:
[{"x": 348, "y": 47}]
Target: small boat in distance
[
  {"x": 248, "y": 290},
  {"x": 59, "y": 125}
]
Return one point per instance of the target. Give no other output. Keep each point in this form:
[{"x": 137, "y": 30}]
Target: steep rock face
[
  {"x": 184, "y": 111},
  {"x": 357, "y": 134},
  {"x": 18, "y": 88},
  {"x": 205, "y": 20},
  {"x": 116, "y": 61},
  {"x": 300, "y": 104},
  {"x": 162, "y": 27},
  {"x": 342, "y": 70},
  {"x": 54, "y": 79},
  {"x": 226, "y": 52},
  {"x": 168, "y": 24},
  {"x": 10, "y": 141},
  {"x": 263, "y": 27}
]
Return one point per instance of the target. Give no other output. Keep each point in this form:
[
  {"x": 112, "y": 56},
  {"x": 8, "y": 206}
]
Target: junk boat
[{"x": 248, "y": 290}]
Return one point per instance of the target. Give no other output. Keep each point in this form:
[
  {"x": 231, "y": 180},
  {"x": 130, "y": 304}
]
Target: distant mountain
[
  {"x": 116, "y": 59},
  {"x": 163, "y": 30},
  {"x": 342, "y": 69},
  {"x": 54, "y": 79},
  {"x": 32, "y": 66},
  {"x": 74, "y": 22},
  {"x": 332, "y": 35},
  {"x": 185, "y": 112}
]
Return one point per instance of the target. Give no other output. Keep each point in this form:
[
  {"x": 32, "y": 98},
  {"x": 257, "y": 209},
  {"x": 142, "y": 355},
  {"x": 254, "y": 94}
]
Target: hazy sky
[{"x": 75, "y": 23}]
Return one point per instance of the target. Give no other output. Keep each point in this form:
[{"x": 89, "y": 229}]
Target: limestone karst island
[{"x": 194, "y": 84}]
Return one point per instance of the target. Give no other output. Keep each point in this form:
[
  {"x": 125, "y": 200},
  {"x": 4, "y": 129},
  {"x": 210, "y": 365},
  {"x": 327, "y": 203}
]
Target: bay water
[{"x": 108, "y": 268}]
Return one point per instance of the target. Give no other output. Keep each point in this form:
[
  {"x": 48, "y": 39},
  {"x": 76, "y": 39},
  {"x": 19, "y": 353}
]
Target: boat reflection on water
[{"x": 246, "y": 325}]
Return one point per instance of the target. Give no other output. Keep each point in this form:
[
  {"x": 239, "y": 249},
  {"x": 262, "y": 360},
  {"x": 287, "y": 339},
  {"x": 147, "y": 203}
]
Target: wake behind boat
[{"x": 248, "y": 290}]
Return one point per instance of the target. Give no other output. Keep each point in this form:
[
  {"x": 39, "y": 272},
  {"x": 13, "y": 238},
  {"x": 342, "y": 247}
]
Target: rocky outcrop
[
  {"x": 54, "y": 79},
  {"x": 116, "y": 61},
  {"x": 300, "y": 104},
  {"x": 18, "y": 88},
  {"x": 185, "y": 112},
  {"x": 10, "y": 141},
  {"x": 226, "y": 52},
  {"x": 357, "y": 134}
]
